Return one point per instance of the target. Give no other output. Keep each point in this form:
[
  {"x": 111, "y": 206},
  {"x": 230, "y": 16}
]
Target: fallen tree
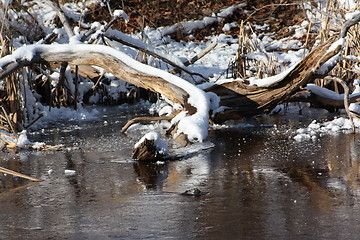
[
  {"x": 194, "y": 101},
  {"x": 238, "y": 99},
  {"x": 193, "y": 108}
]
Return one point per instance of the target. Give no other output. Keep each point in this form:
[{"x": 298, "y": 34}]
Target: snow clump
[
  {"x": 23, "y": 140},
  {"x": 121, "y": 14},
  {"x": 337, "y": 125},
  {"x": 160, "y": 144}
]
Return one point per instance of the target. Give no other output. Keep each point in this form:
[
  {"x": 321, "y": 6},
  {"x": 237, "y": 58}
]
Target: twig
[
  {"x": 62, "y": 77},
  {"x": 201, "y": 54},
  {"x": 8, "y": 171},
  {"x": 198, "y": 56},
  {"x": 62, "y": 16},
  {"x": 307, "y": 38},
  {"x": 93, "y": 30},
  {"x": 76, "y": 86},
  {"x": 8, "y": 120},
  {"x": 35, "y": 120},
  {"x": 115, "y": 38},
  {"x": 346, "y": 99},
  {"x": 98, "y": 81},
  {"x": 269, "y": 5}
]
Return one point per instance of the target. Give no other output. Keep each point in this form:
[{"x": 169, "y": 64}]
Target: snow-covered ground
[{"x": 213, "y": 65}]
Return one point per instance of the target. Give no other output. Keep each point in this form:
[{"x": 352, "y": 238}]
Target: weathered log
[
  {"x": 94, "y": 55},
  {"x": 243, "y": 100},
  {"x": 323, "y": 100},
  {"x": 193, "y": 100},
  {"x": 238, "y": 100}
]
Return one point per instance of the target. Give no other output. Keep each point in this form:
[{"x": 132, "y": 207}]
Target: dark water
[{"x": 261, "y": 184}]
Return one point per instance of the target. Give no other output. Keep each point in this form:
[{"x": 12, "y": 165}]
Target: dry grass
[
  {"x": 243, "y": 62},
  {"x": 330, "y": 21}
]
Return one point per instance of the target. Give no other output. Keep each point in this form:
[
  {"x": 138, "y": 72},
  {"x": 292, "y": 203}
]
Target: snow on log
[
  {"x": 150, "y": 148},
  {"x": 238, "y": 99},
  {"x": 189, "y": 26},
  {"x": 326, "y": 96},
  {"x": 194, "y": 124}
]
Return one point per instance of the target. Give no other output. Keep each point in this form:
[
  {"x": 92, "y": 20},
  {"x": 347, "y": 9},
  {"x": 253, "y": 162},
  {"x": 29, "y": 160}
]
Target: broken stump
[{"x": 147, "y": 151}]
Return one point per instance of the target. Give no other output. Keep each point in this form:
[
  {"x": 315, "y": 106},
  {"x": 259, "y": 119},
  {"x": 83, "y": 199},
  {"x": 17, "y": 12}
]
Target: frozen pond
[{"x": 260, "y": 184}]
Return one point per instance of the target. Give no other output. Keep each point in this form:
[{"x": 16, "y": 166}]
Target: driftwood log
[
  {"x": 95, "y": 55},
  {"x": 241, "y": 100},
  {"x": 120, "y": 65}
]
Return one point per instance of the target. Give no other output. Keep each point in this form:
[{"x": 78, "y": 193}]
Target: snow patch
[
  {"x": 23, "y": 140},
  {"x": 334, "y": 126},
  {"x": 160, "y": 144},
  {"x": 121, "y": 14}
]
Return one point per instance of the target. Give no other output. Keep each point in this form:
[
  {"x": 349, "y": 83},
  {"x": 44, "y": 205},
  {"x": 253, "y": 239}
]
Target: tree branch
[{"x": 194, "y": 101}]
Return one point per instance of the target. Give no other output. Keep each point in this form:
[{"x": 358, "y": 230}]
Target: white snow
[
  {"x": 328, "y": 65},
  {"x": 328, "y": 93},
  {"x": 6, "y": 2},
  {"x": 166, "y": 110},
  {"x": 229, "y": 26},
  {"x": 352, "y": 15},
  {"x": 348, "y": 4},
  {"x": 266, "y": 82},
  {"x": 355, "y": 107},
  {"x": 23, "y": 140},
  {"x": 159, "y": 143},
  {"x": 213, "y": 65},
  {"x": 315, "y": 129},
  {"x": 69, "y": 172},
  {"x": 121, "y": 14}
]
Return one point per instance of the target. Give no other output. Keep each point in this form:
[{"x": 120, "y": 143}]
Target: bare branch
[
  {"x": 147, "y": 51},
  {"x": 55, "y": 5}
]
